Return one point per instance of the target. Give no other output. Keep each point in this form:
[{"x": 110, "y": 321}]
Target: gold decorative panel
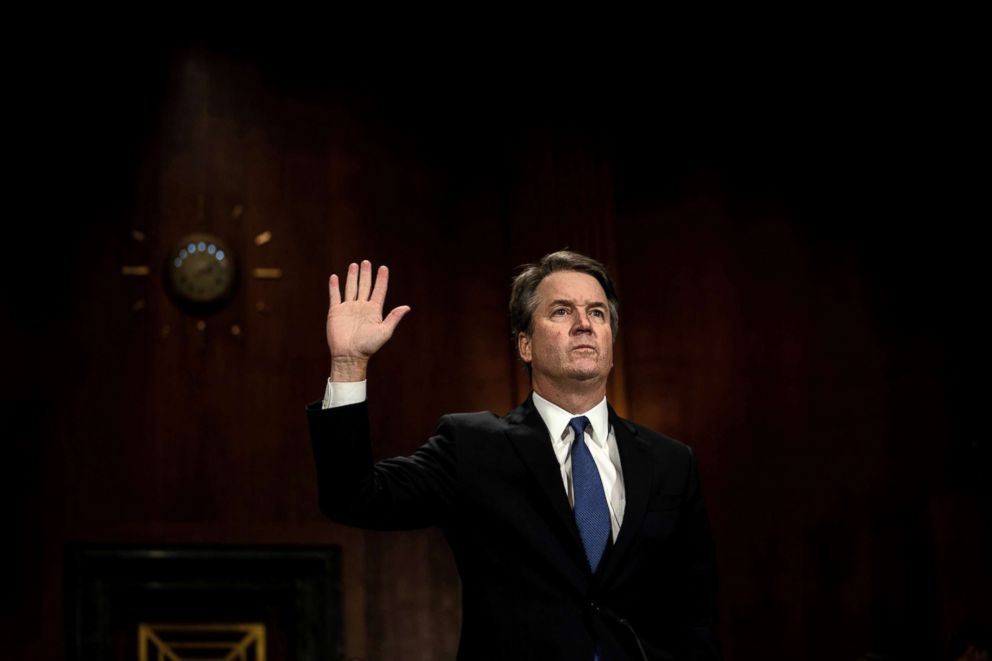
[{"x": 221, "y": 642}]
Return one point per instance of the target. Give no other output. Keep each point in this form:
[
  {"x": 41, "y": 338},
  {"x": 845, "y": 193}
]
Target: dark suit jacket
[{"x": 494, "y": 486}]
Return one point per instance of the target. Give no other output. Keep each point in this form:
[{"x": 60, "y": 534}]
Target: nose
[{"x": 582, "y": 323}]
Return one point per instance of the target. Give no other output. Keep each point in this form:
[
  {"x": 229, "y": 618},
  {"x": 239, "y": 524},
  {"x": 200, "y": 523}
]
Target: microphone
[{"x": 619, "y": 620}]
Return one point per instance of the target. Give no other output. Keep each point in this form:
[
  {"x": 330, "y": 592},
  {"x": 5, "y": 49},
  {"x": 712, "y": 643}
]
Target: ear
[{"x": 523, "y": 347}]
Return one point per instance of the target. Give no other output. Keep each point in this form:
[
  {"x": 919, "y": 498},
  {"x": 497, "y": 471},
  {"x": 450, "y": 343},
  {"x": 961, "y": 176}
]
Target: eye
[
  {"x": 559, "y": 312},
  {"x": 598, "y": 313}
]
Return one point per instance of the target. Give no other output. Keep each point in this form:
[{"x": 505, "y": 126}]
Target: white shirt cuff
[{"x": 343, "y": 393}]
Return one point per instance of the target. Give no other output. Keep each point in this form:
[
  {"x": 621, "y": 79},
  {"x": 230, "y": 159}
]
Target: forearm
[
  {"x": 399, "y": 493},
  {"x": 342, "y": 456}
]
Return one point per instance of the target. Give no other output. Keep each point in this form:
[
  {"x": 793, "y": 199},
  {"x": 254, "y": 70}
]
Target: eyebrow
[{"x": 570, "y": 303}]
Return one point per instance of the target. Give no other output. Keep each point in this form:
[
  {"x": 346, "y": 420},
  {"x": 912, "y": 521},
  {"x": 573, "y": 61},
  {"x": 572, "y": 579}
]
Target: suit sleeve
[
  {"x": 402, "y": 493},
  {"x": 702, "y": 625}
]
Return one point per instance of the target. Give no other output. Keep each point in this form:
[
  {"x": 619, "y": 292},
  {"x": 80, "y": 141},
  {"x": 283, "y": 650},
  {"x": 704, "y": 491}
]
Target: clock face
[{"x": 200, "y": 273}]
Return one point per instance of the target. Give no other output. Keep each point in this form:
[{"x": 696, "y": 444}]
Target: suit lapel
[
  {"x": 636, "y": 466},
  {"x": 530, "y": 437}
]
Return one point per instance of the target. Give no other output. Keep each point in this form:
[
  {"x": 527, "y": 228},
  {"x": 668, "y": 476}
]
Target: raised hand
[{"x": 355, "y": 326}]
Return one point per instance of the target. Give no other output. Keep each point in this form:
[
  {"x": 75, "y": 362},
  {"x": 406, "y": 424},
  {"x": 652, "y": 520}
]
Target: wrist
[{"x": 349, "y": 369}]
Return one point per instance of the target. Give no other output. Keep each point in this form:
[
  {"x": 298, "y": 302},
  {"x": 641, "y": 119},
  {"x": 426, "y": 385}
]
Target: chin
[{"x": 587, "y": 375}]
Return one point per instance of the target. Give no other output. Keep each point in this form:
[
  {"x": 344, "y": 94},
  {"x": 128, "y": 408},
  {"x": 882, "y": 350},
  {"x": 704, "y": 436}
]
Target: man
[{"x": 577, "y": 535}]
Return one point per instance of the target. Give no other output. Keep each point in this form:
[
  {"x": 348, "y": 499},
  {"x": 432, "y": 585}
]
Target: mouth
[{"x": 584, "y": 347}]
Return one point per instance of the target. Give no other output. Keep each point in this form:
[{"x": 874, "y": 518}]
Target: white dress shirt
[
  {"x": 600, "y": 440},
  {"x": 602, "y": 443}
]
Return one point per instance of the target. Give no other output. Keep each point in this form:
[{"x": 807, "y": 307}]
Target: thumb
[{"x": 393, "y": 318}]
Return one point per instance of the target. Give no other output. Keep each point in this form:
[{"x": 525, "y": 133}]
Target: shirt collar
[{"x": 556, "y": 420}]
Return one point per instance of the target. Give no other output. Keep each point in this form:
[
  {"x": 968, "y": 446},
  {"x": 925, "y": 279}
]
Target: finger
[
  {"x": 365, "y": 280},
  {"x": 381, "y": 285},
  {"x": 334, "y": 290},
  {"x": 393, "y": 318},
  {"x": 351, "y": 284}
]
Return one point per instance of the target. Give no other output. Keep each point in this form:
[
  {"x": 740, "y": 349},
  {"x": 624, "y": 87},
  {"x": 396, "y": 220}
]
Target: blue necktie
[{"x": 592, "y": 515}]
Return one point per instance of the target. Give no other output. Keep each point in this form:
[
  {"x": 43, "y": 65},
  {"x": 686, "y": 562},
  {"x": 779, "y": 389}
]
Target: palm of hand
[{"x": 355, "y": 329}]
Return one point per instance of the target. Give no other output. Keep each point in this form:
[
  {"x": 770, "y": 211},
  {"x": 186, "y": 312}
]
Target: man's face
[{"x": 572, "y": 338}]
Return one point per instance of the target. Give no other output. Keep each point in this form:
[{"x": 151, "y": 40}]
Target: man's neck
[{"x": 575, "y": 398}]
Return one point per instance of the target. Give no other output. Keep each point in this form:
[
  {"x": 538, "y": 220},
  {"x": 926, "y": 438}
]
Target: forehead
[{"x": 573, "y": 286}]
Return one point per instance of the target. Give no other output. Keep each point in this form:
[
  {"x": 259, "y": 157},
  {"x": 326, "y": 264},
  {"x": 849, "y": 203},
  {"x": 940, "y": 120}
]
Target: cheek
[
  {"x": 549, "y": 345},
  {"x": 556, "y": 342},
  {"x": 608, "y": 355}
]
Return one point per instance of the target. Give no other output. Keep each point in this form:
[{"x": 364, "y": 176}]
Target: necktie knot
[{"x": 578, "y": 426}]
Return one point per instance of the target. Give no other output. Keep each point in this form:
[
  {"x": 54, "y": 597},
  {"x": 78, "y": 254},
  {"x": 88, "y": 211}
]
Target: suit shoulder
[
  {"x": 476, "y": 421},
  {"x": 657, "y": 440}
]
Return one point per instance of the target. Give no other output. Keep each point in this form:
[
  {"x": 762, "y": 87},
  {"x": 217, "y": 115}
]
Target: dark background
[{"x": 791, "y": 231}]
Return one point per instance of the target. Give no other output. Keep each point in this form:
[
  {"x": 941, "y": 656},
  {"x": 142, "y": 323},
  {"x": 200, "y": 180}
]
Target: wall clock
[{"x": 200, "y": 274}]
